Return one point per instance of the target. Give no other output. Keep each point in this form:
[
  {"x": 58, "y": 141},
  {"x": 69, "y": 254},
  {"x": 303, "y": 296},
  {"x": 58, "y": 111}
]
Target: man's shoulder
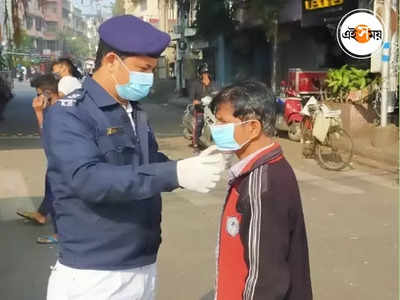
[{"x": 69, "y": 82}]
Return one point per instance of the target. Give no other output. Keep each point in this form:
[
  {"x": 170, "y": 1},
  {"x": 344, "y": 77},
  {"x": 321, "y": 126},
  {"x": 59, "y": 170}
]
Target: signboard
[
  {"x": 315, "y": 12},
  {"x": 319, "y": 4}
]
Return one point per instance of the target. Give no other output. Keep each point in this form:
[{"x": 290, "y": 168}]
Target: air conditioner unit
[{"x": 190, "y": 32}]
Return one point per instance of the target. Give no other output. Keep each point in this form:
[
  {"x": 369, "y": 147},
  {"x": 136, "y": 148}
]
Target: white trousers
[{"x": 67, "y": 283}]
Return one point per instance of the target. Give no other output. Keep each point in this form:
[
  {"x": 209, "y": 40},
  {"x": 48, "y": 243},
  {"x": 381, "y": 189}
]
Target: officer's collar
[{"x": 99, "y": 95}]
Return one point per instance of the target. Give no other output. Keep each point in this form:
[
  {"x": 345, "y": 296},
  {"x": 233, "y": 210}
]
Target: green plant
[{"x": 340, "y": 82}]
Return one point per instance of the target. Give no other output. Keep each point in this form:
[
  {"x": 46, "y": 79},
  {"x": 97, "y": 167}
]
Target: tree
[
  {"x": 18, "y": 12},
  {"x": 213, "y": 17},
  {"x": 76, "y": 46},
  {"x": 267, "y": 11},
  {"x": 26, "y": 41},
  {"x": 118, "y": 8}
]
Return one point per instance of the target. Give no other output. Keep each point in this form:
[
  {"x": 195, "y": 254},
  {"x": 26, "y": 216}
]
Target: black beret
[{"x": 130, "y": 34}]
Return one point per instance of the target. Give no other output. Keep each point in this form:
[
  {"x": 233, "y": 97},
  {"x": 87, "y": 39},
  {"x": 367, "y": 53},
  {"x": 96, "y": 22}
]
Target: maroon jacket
[{"x": 262, "y": 252}]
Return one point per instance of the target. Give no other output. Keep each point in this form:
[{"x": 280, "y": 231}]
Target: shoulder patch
[
  {"x": 74, "y": 95},
  {"x": 67, "y": 102},
  {"x": 72, "y": 98}
]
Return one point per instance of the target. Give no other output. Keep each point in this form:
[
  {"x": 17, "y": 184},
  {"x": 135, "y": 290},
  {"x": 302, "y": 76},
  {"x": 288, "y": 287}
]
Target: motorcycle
[
  {"x": 20, "y": 76},
  {"x": 205, "y": 139},
  {"x": 289, "y": 116}
]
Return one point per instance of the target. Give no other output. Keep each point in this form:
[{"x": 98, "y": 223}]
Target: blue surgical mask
[
  {"x": 224, "y": 137},
  {"x": 137, "y": 88}
]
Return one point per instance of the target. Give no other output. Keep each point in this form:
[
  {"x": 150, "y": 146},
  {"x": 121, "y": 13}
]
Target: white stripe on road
[{"x": 326, "y": 184}]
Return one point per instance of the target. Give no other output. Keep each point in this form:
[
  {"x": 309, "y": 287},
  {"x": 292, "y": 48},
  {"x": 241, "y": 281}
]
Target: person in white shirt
[{"x": 67, "y": 73}]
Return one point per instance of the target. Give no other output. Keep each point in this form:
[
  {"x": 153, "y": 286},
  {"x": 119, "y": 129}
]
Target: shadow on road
[
  {"x": 208, "y": 296},
  {"x": 20, "y": 143},
  {"x": 25, "y": 265}
]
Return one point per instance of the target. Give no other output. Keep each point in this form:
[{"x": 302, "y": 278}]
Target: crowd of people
[{"x": 105, "y": 175}]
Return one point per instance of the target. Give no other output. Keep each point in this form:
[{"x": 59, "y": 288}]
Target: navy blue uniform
[{"x": 107, "y": 179}]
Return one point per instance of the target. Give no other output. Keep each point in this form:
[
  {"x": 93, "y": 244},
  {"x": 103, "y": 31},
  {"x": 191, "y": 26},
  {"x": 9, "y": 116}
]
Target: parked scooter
[
  {"x": 205, "y": 139},
  {"x": 288, "y": 116}
]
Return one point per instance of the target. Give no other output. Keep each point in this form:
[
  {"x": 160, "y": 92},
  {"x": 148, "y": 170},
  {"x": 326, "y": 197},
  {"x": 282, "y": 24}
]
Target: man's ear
[{"x": 256, "y": 128}]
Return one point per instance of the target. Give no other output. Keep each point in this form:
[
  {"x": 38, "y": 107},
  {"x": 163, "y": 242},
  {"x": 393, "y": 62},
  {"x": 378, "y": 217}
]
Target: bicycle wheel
[
  {"x": 337, "y": 150},
  {"x": 307, "y": 137}
]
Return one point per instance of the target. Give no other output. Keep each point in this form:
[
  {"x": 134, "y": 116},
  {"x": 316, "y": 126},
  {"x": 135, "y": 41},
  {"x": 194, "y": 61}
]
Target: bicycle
[{"x": 324, "y": 138}]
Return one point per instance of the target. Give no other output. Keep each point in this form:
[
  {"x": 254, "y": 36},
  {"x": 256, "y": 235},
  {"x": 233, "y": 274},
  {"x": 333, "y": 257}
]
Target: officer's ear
[{"x": 110, "y": 62}]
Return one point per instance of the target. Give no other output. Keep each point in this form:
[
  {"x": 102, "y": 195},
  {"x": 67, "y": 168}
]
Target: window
[
  {"x": 65, "y": 14},
  {"x": 51, "y": 45},
  {"x": 38, "y": 23},
  {"x": 51, "y": 26},
  {"x": 29, "y": 22}
]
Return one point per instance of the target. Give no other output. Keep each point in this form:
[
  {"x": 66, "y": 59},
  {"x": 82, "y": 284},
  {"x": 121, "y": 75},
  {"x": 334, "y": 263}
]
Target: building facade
[
  {"x": 161, "y": 14},
  {"x": 47, "y": 23}
]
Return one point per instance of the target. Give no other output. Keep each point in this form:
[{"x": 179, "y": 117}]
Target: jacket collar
[
  {"x": 99, "y": 95},
  {"x": 269, "y": 155}
]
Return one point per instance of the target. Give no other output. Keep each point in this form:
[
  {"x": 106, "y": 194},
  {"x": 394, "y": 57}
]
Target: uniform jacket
[
  {"x": 262, "y": 251},
  {"x": 106, "y": 179}
]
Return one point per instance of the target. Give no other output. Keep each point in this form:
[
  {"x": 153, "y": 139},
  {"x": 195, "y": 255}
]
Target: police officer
[{"x": 107, "y": 174}]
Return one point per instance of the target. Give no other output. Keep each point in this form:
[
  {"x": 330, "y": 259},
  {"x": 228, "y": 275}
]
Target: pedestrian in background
[
  {"x": 5, "y": 96},
  {"x": 199, "y": 89},
  {"x": 262, "y": 249},
  {"x": 47, "y": 95},
  {"x": 107, "y": 174},
  {"x": 68, "y": 76}
]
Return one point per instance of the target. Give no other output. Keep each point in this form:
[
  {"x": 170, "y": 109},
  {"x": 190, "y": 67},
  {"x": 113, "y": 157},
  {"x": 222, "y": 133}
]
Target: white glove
[
  {"x": 210, "y": 150},
  {"x": 229, "y": 158},
  {"x": 200, "y": 173}
]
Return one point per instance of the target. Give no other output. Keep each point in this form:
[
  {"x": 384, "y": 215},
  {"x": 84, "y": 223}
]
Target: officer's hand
[
  {"x": 229, "y": 158},
  {"x": 210, "y": 150},
  {"x": 200, "y": 173}
]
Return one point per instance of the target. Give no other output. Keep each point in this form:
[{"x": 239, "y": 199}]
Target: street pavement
[{"x": 351, "y": 219}]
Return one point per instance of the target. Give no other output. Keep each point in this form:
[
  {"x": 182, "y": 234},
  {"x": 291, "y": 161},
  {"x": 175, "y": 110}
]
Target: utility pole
[
  {"x": 164, "y": 15},
  {"x": 183, "y": 10},
  {"x": 386, "y": 61},
  {"x": 179, "y": 54},
  {"x": 274, "y": 54}
]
